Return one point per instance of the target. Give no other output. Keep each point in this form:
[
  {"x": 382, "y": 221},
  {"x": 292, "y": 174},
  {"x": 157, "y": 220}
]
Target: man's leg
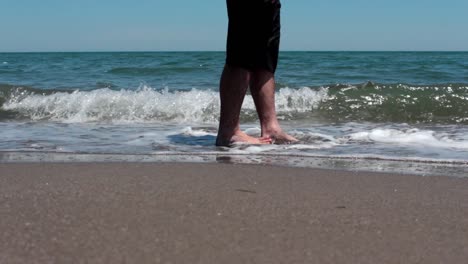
[
  {"x": 262, "y": 87},
  {"x": 233, "y": 86}
]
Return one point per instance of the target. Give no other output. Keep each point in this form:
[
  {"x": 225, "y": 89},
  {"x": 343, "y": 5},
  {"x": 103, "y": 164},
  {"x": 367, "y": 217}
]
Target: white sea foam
[
  {"x": 147, "y": 105},
  {"x": 142, "y": 105},
  {"x": 197, "y": 132},
  {"x": 415, "y": 137}
]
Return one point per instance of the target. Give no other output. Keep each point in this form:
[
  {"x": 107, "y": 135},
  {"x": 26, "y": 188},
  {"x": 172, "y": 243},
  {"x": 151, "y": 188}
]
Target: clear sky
[{"x": 153, "y": 25}]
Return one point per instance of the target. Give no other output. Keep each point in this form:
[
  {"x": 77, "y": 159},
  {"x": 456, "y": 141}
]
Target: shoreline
[
  {"x": 411, "y": 166},
  {"x": 109, "y": 212}
]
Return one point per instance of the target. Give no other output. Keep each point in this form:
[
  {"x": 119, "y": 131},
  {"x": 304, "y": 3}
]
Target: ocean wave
[
  {"x": 412, "y": 137},
  {"x": 445, "y": 103},
  {"x": 144, "y": 71},
  {"x": 105, "y": 105},
  {"x": 143, "y": 105},
  {"x": 368, "y": 102}
]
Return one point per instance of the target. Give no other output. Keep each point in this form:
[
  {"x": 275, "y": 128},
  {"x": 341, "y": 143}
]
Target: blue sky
[{"x": 112, "y": 25}]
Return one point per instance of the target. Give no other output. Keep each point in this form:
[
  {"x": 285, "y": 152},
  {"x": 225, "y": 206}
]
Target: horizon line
[{"x": 161, "y": 51}]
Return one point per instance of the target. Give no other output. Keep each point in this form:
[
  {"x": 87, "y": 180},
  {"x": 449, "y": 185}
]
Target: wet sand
[{"x": 224, "y": 213}]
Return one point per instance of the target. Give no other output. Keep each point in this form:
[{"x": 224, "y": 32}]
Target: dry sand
[{"x": 221, "y": 213}]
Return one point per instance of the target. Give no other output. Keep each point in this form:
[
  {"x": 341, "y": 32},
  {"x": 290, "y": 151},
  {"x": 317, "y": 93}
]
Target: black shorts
[{"x": 253, "y": 34}]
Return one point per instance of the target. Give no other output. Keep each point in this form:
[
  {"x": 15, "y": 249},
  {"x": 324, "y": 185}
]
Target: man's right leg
[{"x": 233, "y": 86}]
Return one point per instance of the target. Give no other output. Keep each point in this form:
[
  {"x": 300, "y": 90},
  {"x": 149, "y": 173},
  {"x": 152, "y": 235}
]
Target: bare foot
[
  {"x": 280, "y": 137},
  {"x": 242, "y": 138}
]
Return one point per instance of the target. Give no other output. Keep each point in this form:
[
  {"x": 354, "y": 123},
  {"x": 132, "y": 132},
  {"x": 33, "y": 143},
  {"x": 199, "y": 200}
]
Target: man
[{"x": 251, "y": 60}]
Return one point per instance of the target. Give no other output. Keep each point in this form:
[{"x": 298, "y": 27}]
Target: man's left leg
[{"x": 262, "y": 88}]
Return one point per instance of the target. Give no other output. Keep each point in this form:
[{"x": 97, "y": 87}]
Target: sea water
[{"x": 349, "y": 107}]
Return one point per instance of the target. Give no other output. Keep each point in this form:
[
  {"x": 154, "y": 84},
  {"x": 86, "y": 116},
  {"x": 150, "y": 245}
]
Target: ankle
[{"x": 271, "y": 129}]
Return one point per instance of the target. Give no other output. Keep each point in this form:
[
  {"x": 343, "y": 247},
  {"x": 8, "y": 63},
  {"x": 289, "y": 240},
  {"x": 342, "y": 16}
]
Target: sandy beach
[{"x": 225, "y": 213}]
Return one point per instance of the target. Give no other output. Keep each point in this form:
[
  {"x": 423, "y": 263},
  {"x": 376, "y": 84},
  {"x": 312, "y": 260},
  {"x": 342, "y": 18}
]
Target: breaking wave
[{"x": 335, "y": 103}]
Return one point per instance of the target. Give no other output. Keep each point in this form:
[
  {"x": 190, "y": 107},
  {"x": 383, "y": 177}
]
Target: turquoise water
[
  {"x": 385, "y": 105},
  {"x": 186, "y": 70}
]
